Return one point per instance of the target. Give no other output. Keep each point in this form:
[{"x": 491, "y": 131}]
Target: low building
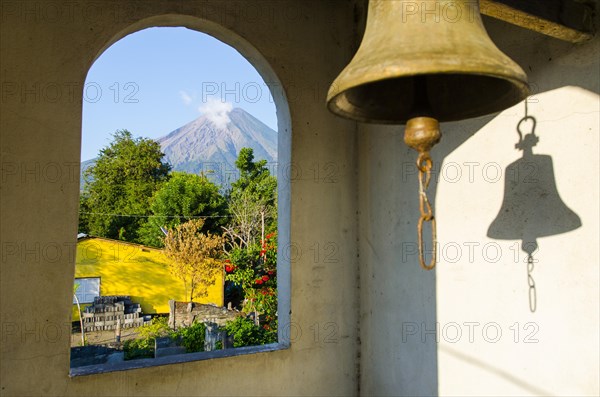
[{"x": 110, "y": 267}]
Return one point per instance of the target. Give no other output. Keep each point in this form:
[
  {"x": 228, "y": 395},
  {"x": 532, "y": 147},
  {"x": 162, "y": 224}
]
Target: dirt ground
[{"x": 102, "y": 337}]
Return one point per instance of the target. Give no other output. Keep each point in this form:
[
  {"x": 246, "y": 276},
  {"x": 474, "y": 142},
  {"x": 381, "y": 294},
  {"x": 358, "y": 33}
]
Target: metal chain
[
  {"x": 531, "y": 282},
  {"x": 424, "y": 165}
]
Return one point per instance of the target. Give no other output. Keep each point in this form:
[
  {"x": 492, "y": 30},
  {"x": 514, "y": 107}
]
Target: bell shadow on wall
[{"x": 532, "y": 207}]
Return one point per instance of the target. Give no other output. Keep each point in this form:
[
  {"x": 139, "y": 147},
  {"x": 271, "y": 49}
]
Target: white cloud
[
  {"x": 185, "y": 97},
  {"x": 217, "y": 112}
]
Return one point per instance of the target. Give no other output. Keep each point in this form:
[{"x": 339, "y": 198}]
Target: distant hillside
[{"x": 203, "y": 146}]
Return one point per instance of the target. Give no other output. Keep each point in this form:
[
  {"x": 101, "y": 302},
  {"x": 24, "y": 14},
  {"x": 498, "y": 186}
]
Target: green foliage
[
  {"x": 250, "y": 171},
  {"x": 158, "y": 328},
  {"x": 183, "y": 197},
  {"x": 143, "y": 347},
  {"x": 254, "y": 270},
  {"x": 270, "y": 331},
  {"x": 255, "y": 178},
  {"x": 130, "y": 178},
  {"x": 122, "y": 181},
  {"x": 245, "y": 163},
  {"x": 138, "y": 348},
  {"x": 192, "y": 337},
  {"x": 252, "y": 202},
  {"x": 84, "y": 210},
  {"x": 246, "y": 333}
]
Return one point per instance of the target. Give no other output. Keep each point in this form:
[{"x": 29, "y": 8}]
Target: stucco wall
[
  {"x": 50, "y": 44},
  {"x": 480, "y": 287},
  {"x": 368, "y": 174}
]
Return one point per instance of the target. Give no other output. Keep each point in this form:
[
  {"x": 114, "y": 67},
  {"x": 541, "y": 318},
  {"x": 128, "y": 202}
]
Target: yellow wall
[{"x": 138, "y": 271}]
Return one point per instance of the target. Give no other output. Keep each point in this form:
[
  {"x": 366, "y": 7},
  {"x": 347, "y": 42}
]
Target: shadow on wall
[
  {"x": 402, "y": 297},
  {"x": 532, "y": 206},
  {"x": 498, "y": 371}
]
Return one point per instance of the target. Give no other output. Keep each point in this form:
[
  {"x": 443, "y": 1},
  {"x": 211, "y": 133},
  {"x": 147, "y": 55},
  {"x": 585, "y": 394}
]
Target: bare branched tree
[
  {"x": 195, "y": 257},
  {"x": 248, "y": 213}
]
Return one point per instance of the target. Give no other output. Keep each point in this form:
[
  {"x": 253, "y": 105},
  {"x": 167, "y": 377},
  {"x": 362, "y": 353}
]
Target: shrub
[
  {"x": 143, "y": 347},
  {"x": 246, "y": 333},
  {"x": 192, "y": 337},
  {"x": 138, "y": 348},
  {"x": 253, "y": 269},
  {"x": 158, "y": 328}
]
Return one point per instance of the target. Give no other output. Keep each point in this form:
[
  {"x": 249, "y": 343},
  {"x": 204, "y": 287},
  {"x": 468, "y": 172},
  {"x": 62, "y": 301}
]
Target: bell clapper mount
[{"x": 421, "y": 134}]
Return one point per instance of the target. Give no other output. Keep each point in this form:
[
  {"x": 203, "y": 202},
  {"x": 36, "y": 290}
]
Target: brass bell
[
  {"x": 420, "y": 63},
  {"x": 426, "y": 58}
]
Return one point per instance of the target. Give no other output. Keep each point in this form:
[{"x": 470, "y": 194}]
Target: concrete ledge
[{"x": 174, "y": 359}]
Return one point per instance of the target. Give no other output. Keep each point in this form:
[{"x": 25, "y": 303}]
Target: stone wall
[{"x": 186, "y": 313}]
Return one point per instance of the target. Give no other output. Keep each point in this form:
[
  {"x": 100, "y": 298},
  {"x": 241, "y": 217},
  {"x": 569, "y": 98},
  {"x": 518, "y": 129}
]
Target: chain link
[
  {"x": 424, "y": 165},
  {"x": 531, "y": 282}
]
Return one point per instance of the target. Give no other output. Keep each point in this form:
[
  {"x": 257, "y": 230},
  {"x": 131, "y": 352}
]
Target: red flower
[
  {"x": 265, "y": 278},
  {"x": 227, "y": 261},
  {"x": 270, "y": 272},
  {"x": 259, "y": 281},
  {"x": 228, "y": 268},
  {"x": 264, "y": 292},
  {"x": 268, "y": 236}
]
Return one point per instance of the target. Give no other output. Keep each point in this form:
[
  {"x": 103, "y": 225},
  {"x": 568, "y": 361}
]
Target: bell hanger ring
[{"x": 527, "y": 141}]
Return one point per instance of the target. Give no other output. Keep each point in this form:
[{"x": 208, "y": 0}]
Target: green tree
[
  {"x": 254, "y": 177},
  {"x": 251, "y": 264},
  {"x": 252, "y": 202},
  {"x": 84, "y": 210},
  {"x": 184, "y": 197},
  {"x": 120, "y": 184}
]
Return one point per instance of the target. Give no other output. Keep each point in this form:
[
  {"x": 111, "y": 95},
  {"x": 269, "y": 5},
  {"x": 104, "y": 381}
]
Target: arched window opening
[{"x": 184, "y": 212}]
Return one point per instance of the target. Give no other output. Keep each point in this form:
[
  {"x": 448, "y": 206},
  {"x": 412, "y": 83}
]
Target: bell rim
[{"x": 520, "y": 85}]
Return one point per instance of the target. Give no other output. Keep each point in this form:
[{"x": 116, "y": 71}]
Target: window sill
[{"x": 174, "y": 359}]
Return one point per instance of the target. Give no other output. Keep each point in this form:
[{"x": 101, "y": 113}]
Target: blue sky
[{"x": 156, "y": 80}]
